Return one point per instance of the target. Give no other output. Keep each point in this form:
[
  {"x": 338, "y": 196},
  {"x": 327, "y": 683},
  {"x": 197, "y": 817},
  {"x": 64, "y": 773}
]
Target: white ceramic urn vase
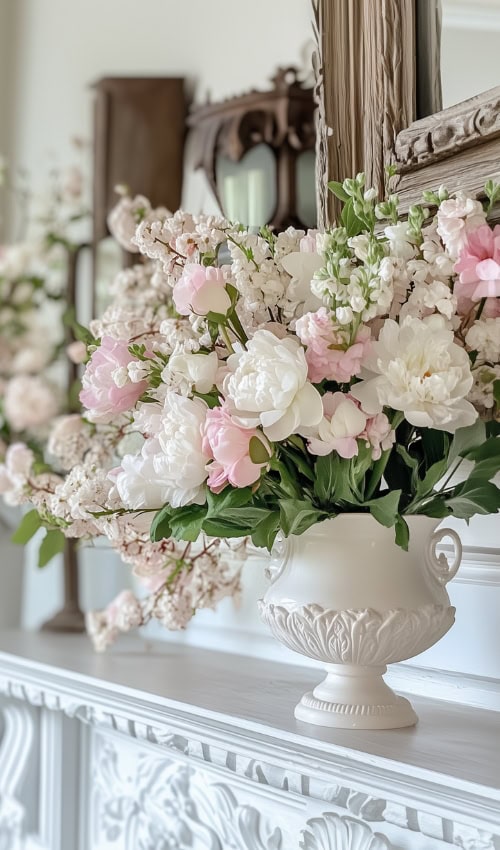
[{"x": 345, "y": 594}]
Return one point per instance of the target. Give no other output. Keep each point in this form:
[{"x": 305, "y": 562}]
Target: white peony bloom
[
  {"x": 137, "y": 482},
  {"x": 416, "y": 367},
  {"x": 455, "y": 218},
  {"x": 267, "y": 385},
  {"x": 180, "y": 465},
  {"x": 192, "y": 371}
]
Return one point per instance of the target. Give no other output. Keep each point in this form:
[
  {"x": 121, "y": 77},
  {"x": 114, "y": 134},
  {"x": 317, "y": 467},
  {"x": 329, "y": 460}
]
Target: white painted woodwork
[{"x": 159, "y": 746}]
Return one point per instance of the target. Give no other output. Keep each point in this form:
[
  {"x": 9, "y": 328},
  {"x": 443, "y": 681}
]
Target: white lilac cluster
[
  {"x": 231, "y": 366},
  {"x": 195, "y": 579}
]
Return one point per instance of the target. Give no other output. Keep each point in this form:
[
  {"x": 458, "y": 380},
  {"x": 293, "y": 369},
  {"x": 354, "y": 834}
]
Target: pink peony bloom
[
  {"x": 101, "y": 395},
  {"x": 201, "y": 290},
  {"x": 239, "y": 454},
  {"x": 328, "y": 354},
  {"x": 479, "y": 265}
]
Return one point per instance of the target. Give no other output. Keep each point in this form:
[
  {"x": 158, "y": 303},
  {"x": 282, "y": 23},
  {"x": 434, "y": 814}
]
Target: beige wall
[{"x": 62, "y": 46}]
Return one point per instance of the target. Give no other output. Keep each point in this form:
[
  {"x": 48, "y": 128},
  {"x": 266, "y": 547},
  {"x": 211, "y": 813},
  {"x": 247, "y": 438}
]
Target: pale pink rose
[
  {"x": 201, "y": 290},
  {"x": 229, "y": 446},
  {"x": 479, "y": 265},
  {"x": 342, "y": 425},
  {"x": 29, "y": 402},
  {"x": 77, "y": 351},
  {"x": 329, "y": 355},
  {"x": 100, "y": 395}
]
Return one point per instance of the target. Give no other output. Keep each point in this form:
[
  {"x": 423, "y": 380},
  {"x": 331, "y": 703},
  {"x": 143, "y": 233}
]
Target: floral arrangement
[{"x": 242, "y": 384}]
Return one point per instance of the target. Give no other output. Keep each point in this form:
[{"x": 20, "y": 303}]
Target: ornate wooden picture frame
[{"x": 378, "y": 90}]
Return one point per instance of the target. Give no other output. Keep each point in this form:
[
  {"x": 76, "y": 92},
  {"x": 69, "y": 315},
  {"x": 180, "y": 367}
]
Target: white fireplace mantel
[{"x": 160, "y": 746}]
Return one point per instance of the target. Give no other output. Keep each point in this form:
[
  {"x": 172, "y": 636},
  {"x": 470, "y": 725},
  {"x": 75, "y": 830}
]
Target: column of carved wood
[{"x": 367, "y": 84}]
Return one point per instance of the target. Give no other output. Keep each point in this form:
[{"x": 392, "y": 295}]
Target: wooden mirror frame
[
  {"x": 283, "y": 118},
  {"x": 372, "y": 57}
]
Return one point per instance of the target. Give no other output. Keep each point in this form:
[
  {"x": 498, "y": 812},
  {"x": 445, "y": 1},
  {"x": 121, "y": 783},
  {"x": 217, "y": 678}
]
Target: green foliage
[
  {"x": 297, "y": 515},
  {"x": 338, "y": 190},
  {"x": 27, "y": 528},
  {"x": 80, "y": 332},
  {"x": 492, "y": 192},
  {"x": 385, "y": 508},
  {"x": 52, "y": 544},
  {"x": 402, "y": 533}
]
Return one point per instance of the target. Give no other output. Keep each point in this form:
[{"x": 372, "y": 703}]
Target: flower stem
[
  {"x": 225, "y": 336},
  {"x": 238, "y": 327}
]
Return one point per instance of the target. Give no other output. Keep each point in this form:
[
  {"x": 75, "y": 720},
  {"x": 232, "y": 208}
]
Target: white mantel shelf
[{"x": 232, "y": 717}]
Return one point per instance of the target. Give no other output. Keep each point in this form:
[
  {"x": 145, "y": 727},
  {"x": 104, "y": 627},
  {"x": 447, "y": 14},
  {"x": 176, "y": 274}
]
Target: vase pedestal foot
[{"x": 355, "y": 697}]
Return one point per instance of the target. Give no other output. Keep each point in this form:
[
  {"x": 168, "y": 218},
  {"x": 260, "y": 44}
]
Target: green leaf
[
  {"x": 160, "y": 527},
  {"x": 210, "y": 399},
  {"x": 299, "y": 460},
  {"x": 52, "y": 544},
  {"x": 489, "y": 449},
  {"x": 185, "y": 523},
  {"x": 353, "y": 225},
  {"x": 297, "y": 515},
  {"x": 258, "y": 451},
  {"x": 385, "y": 509},
  {"x": 247, "y": 516},
  {"x": 288, "y": 481},
  {"x": 431, "y": 477},
  {"x": 358, "y": 467},
  {"x": 338, "y": 190},
  {"x": 402, "y": 533},
  {"x": 436, "y": 508},
  {"x": 266, "y": 530},
  {"x": 219, "y": 527},
  {"x": 231, "y": 497},
  {"x": 466, "y": 439},
  {"x": 485, "y": 469},
  {"x": 219, "y": 318},
  {"x": 472, "y": 497},
  {"x": 27, "y": 528},
  {"x": 496, "y": 391}
]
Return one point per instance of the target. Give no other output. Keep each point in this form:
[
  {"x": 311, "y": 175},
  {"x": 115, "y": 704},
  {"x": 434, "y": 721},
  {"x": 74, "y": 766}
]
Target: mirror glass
[{"x": 470, "y": 48}]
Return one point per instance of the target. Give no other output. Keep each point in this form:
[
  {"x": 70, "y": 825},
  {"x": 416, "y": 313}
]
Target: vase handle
[{"x": 440, "y": 568}]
